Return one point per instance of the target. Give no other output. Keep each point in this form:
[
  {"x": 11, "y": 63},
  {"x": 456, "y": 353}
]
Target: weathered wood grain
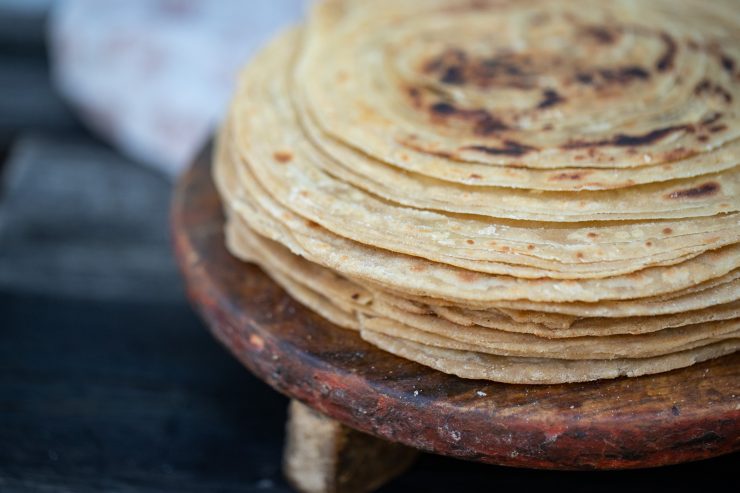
[{"x": 680, "y": 416}]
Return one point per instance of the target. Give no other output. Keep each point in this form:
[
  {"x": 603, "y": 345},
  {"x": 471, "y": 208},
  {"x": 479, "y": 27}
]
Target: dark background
[{"x": 108, "y": 381}]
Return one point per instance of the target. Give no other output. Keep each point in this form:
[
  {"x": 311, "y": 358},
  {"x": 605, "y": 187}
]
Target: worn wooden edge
[
  {"x": 324, "y": 456},
  {"x": 565, "y": 441}
]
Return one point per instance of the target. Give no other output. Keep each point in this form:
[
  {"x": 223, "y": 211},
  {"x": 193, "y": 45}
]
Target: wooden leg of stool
[{"x": 324, "y": 456}]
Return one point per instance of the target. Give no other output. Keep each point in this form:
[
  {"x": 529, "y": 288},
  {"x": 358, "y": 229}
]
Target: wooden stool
[
  {"x": 324, "y": 456},
  {"x": 358, "y": 392}
]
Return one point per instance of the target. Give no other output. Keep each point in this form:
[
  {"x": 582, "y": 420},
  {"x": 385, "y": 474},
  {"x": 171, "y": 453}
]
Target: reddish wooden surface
[{"x": 674, "y": 417}]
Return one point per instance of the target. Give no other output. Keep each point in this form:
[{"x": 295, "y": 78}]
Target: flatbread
[
  {"x": 473, "y": 365},
  {"x": 523, "y": 191}
]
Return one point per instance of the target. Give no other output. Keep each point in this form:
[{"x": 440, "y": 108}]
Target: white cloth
[{"x": 154, "y": 76}]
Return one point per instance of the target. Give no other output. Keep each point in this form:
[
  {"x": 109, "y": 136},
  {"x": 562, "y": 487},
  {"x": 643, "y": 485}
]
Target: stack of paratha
[{"x": 524, "y": 191}]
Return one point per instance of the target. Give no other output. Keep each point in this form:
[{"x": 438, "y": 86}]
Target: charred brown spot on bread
[
  {"x": 415, "y": 96},
  {"x": 470, "y": 242},
  {"x": 634, "y": 72},
  {"x": 706, "y": 190},
  {"x": 530, "y": 247},
  {"x": 550, "y": 97},
  {"x": 678, "y": 153},
  {"x": 442, "y": 154},
  {"x": 570, "y": 176},
  {"x": 443, "y": 109},
  {"x": 477, "y": 115},
  {"x": 455, "y": 67},
  {"x": 453, "y": 76},
  {"x": 312, "y": 224},
  {"x": 605, "y": 35},
  {"x": 510, "y": 148},
  {"x": 646, "y": 138},
  {"x": 648, "y": 243},
  {"x": 592, "y": 235},
  {"x": 508, "y": 70},
  {"x": 584, "y": 78},
  {"x": 727, "y": 62},
  {"x": 355, "y": 296},
  {"x": 475, "y": 176},
  {"x": 706, "y": 86},
  {"x": 709, "y": 124},
  {"x": 713, "y": 118},
  {"x": 412, "y": 143},
  {"x": 703, "y": 86},
  {"x": 605, "y": 77},
  {"x": 484, "y": 124},
  {"x": 667, "y": 231},
  {"x": 467, "y": 276},
  {"x": 625, "y": 74},
  {"x": 449, "y": 67},
  {"x": 579, "y": 255},
  {"x": 626, "y": 140},
  {"x": 723, "y": 93},
  {"x": 668, "y": 58},
  {"x": 283, "y": 156},
  {"x": 449, "y": 58}
]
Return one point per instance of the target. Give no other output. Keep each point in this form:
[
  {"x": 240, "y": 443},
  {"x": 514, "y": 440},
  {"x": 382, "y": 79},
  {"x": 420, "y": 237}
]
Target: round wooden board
[{"x": 683, "y": 415}]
